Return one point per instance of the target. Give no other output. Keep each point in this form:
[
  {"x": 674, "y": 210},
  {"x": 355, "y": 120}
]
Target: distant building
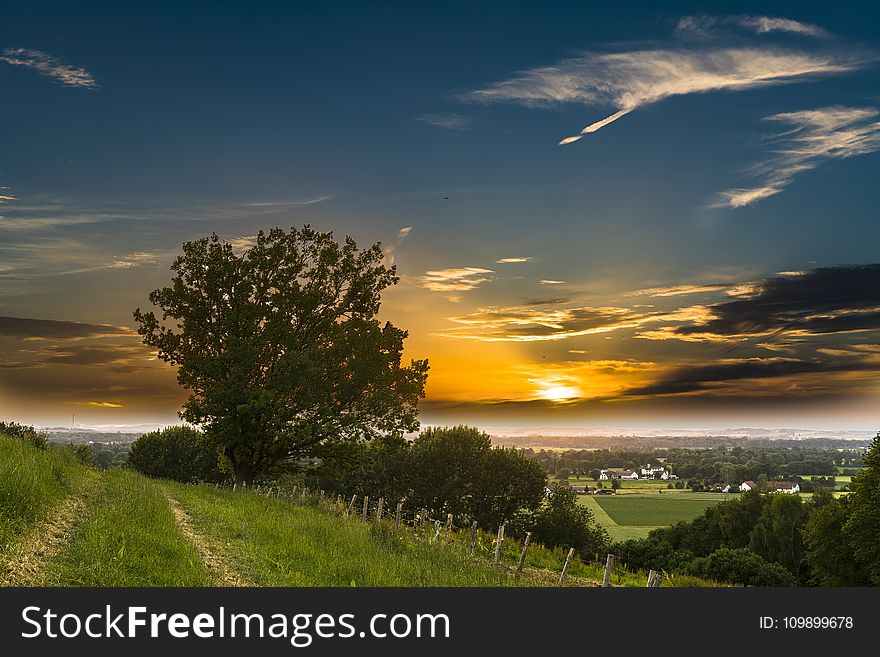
[
  {"x": 784, "y": 487},
  {"x": 625, "y": 474},
  {"x": 658, "y": 472},
  {"x": 603, "y": 475},
  {"x": 748, "y": 485}
]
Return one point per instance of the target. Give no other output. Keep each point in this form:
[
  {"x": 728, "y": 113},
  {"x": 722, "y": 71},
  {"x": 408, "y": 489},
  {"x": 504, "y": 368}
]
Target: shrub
[
  {"x": 741, "y": 566},
  {"x": 178, "y": 453},
  {"x": 26, "y": 433}
]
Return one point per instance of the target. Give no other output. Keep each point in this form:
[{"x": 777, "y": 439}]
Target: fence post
[
  {"x": 293, "y": 493},
  {"x": 379, "y": 509},
  {"x": 340, "y": 504},
  {"x": 321, "y": 496},
  {"x": 473, "y": 536},
  {"x": 350, "y": 506},
  {"x": 651, "y": 574},
  {"x": 397, "y": 515},
  {"x": 498, "y": 543},
  {"x": 609, "y": 564},
  {"x": 654, "y": 582},
  {"x": 566, "y": 564},
  {"x": 366, "y": 507},
  {"x": 522, "y": 557},
  {"x": 448, "y": 527},
  {"x": 234, "y": 486}
]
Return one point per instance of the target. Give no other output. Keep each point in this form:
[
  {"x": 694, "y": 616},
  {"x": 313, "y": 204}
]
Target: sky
[{"x": 601, "y": 215}]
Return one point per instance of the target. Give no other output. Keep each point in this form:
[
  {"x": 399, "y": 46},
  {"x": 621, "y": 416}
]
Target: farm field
[{"x": 634, "y": 515}]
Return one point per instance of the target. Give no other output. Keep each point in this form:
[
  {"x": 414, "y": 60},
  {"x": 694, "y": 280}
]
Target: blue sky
[{"x": 744, "y": 153}]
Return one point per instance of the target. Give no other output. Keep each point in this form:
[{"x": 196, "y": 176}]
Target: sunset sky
[{"x": 601, "y": 214}]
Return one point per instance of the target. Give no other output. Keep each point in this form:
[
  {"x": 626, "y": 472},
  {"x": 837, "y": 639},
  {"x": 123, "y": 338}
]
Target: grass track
[{"x": 127, "y": 537}]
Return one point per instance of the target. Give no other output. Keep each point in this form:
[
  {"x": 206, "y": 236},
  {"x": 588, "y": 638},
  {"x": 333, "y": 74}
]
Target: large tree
[
  {"x": 862, "y": 529},
  {"x": 281, "y": 348}
]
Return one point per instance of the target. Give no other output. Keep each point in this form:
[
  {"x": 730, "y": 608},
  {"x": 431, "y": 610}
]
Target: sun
[{"x": 557, "y": 390}]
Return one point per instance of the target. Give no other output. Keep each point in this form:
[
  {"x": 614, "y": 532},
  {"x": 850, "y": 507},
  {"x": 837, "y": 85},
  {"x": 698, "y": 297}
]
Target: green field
[{"x": 634, "y": 515}]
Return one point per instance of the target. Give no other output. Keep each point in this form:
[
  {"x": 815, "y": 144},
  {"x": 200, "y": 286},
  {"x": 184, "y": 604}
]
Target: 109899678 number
[{"x": 817, "y": 622}]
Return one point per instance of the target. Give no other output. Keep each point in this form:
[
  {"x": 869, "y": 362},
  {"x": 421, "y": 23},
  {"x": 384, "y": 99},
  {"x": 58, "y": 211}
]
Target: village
[{"x": 661, "y": 473}]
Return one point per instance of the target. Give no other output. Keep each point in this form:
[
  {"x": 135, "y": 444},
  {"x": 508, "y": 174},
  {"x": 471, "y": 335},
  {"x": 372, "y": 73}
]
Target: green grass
[
  {"x": 642, "y": 511},
  {"x": 278, "y": 543},
  {"x": 127, "y": 537},
  {"x": 32, "y": 482}
]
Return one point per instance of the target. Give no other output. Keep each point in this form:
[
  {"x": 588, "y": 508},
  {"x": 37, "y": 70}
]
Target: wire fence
[{"x": 500, "y": 550}]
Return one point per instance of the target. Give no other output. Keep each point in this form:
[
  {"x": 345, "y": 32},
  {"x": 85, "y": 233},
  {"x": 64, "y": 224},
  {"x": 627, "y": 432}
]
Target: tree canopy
[{"x": 281, "y": 347}]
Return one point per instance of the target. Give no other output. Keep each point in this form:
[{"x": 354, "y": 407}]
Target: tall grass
[
  {"x": 128, "y": 537},
  {"x": 278, "y": 543},
  {"x": 32, "y": 482}
]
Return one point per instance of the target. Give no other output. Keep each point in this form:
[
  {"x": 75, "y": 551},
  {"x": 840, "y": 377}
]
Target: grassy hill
[{"x": 65, "y": 524}]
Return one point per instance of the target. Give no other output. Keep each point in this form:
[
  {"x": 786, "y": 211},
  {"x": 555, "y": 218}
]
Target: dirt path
[
  {"x": 211, "y": 554},
  {"x": 24, "y": 562}
]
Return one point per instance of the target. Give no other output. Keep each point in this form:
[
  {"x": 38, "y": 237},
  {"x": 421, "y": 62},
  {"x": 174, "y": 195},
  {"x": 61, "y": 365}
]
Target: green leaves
[{"x": 280, "y": 345}]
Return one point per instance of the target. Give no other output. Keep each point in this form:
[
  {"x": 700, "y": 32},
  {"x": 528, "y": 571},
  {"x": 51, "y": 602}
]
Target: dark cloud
[
  {"x": 819, "y": 301},
  {"x": 694, "y": 378},
  {"x": 90, "y": 355},
  {"x": 56, "y": 329}
]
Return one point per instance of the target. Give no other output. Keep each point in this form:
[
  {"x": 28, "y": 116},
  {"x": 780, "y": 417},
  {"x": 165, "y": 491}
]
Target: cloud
[
  {"x": 503, "y": 261},
  {"x": 132, "y": 260},
  {"x": 460, "y": 279},
  {"x": 815, "y": 136},
  {"x": 447, "y": 121},
  {"x": 727, "y": 374},
  {"x": 288, "y": 204},
  {"x": 680, "y": 290},
  {"x": 534, "y": 324},
  {"x": 631, "y": 79},
  {"x": 96, "y": 355},
  {"x": 102, "y": 404},
  {"x": 821, "y": 301},
  {"x": 389, "y": 249},
  {"x": 550, "y": 281},
  {"x": 57, "y": 329},
  {"x": 45, "y": 64},
  {"x": 702, "y": 25}
]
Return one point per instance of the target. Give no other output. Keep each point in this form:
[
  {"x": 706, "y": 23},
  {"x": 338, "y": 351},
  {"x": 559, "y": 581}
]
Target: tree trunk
[{"x": 243, "y": 474}]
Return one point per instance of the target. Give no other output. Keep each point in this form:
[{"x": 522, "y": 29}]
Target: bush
[
  {"x": 562, "y": 522},
  {"x": 178, "y": 453},
  {"x": 26, "y": 433},
  {"x": 740, "y": 566}
]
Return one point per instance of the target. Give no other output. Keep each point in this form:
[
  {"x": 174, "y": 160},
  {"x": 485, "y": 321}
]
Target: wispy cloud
[
  {"x": 814, "y": 136},
  {"x": 635, "y": 78},
  {"x": 680, "y": 290},
  {"x": 389, "y": 249},
  {"x": 455, "y": 280},
  {"x": 504, "y": 261},
  {"x": 27, "y": 327},
  {"x": 447, "y": 121},
  {"x": 136, "y": 259},
  {"x": 46, "y": 64},
  {"x": 550, "y": 281},
  {"x": 702, "y": 25},
  {"x": 540, "y": 324},
  {"x": 289, "y": 204}
]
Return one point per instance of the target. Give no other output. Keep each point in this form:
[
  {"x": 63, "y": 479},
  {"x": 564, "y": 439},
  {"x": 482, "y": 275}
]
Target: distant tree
[
  {"x": 594, "y": 474},
  {"x": 281, "y": 348},
  {"x": 862, "y": 528},
  {"x": 615, "y": 484},
  {"x": 178, "y": 453},
  {"x": 562, "y": 522},
  {"x": 81, "y": 451}
]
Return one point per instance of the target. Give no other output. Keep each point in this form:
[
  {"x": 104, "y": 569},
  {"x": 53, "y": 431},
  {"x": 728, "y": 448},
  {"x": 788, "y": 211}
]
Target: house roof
[
  {"x": 784, "y": 485},
  {"x": 750, "y": 484}
]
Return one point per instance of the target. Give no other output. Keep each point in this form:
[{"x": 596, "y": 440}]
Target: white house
[
  {"x": 603, "y": 475},
  {"x": 748, "y": 485},
  {"x": 626, "y": 474},
  {"x": 658, "y": 472},
  {"x": 785, "y": 487}
]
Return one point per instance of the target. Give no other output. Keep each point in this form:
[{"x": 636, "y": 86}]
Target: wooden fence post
[
  {"x": 234, "y": 486},
  {"x": 654, "y": 579},
  {"x": 350, "y": 506},
  {"x": 398, "y": 515},
  {"x": 379, "y": 509},
  {"x": 473, "y": 536},
  {"x": 321, "y": 496},
  {"x": 651, "y": 574},
  {"x": 566, "y": 564},
  {"x": 609, "y": 564},
  {"x": 498, "y": 543},
  {"x": 366, "y": 507},
  {"x": 448, "y": 527},
  {"x": 340, "y": 504},
  {"x": 522, "y": 557}
]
